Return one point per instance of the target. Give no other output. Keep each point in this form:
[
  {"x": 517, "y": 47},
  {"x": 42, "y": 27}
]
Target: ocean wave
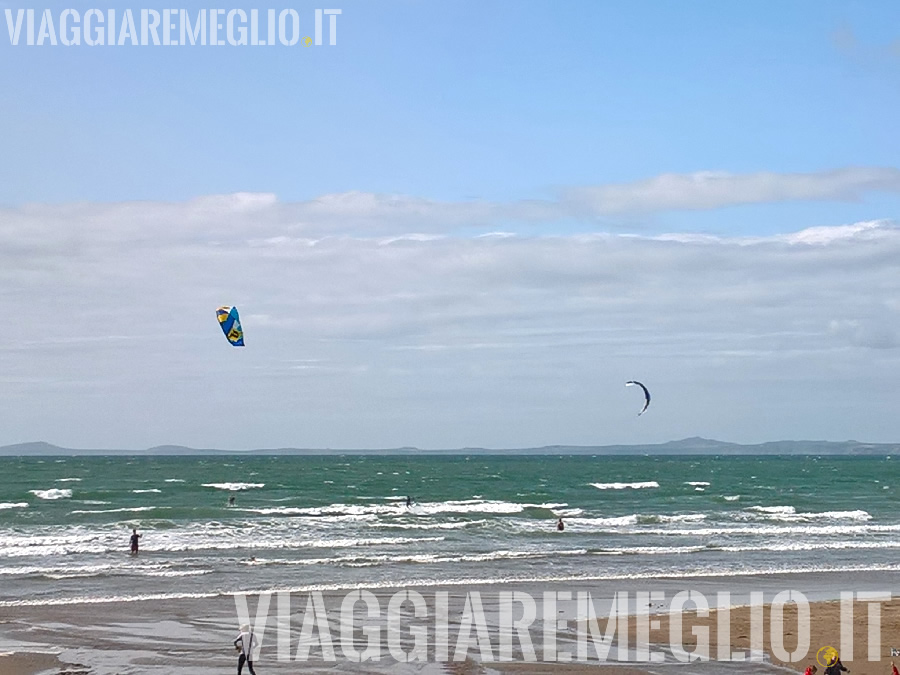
[
  {"x": 139, "y": 492},
  {"x": 174, "y": 480},
  {"x": 477, "y": 506},
  {"x": 358, "y": 560},
  {"x": 697, "y": 483},
  {"x": 234, "y": 487},
  {"x": 132, "y": 509},
  {"x": 613, "y": 521},
  {"x": 790, "y": 514},
  {"x": 436, "y": 583},
  {"x": 68, "y": 480},
  {"x": 52, "y": 493},
  {"x": 649, "y": 550},
  {"x": 731, "y": 498},
  {"x": 778, "y": 510},
  {"x": 13, "y": 505},
  {"x": 458, "y": 525},
  {"x": 812, "y": 546},
  {"x": 678, "y": 518},
  {"x": 763, "y": 530},
  {"x": 626, "y": 486}
]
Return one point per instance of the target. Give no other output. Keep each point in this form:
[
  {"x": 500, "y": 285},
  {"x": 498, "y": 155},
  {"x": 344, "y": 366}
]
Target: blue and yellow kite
[{"x": 231, "y": 325}]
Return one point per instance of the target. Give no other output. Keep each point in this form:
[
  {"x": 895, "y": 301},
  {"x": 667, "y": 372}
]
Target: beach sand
[
  {"x": 823, "y": 630},
  {"x": 193, "y": 635},
  {"x": 33, "y": 663}
]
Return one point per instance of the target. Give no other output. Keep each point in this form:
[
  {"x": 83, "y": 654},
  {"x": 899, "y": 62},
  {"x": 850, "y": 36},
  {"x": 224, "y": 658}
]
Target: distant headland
[{"x": 686, "y": 446}]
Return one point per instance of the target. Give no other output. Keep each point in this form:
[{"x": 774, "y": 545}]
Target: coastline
[{"x": 194, "y": 635}]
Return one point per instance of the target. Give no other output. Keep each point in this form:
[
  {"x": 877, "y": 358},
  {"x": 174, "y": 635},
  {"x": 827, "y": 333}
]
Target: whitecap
[
  {"x": 137, "y": 492},
  {"x": 13, "y": 505},
  {"x": 234, "y": 486},
  {"x": 53, "y": 493},
  {"x": 625, "y": 486},
  {"x": 134, "y": 509}
]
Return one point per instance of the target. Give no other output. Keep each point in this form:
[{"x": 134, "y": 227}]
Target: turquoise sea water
[{"x": 342, "y": 521}]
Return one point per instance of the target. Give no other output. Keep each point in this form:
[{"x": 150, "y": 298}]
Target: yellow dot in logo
[
  {"x": 826, "y": 655},
  {"x": 307, "y": 41}
]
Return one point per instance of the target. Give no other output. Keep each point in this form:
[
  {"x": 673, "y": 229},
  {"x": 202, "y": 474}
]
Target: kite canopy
[
  {"x": 231, "y": 325},
  {"x": 635, "y": 383}
]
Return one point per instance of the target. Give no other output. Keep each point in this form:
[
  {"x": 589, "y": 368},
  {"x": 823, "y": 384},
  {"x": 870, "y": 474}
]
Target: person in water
[
  {"x": 408, "y": 500},
  {"x": 134, "y": 541},
  {"x": 231, "y": 500},
  {"x": 245, "y": 642},
  {"x": 560, "y": 525}
]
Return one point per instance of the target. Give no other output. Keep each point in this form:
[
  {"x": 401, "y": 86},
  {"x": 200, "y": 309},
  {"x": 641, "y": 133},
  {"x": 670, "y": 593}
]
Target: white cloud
[
  {"x": 711, "y": 190},
  {"x": 432, "y": 339},
  {"x": 260, "y": 217}
]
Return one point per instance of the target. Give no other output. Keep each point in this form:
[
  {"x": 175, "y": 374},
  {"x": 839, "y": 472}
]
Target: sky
[{"x": 464, "y": 224}]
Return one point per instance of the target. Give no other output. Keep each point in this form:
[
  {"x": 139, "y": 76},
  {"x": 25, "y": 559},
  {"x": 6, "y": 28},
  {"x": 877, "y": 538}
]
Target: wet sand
[
  {"x": 25, "y": 663},
  {"x": 194, "y": 635}
]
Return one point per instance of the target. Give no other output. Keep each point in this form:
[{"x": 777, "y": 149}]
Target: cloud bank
[{"x": 408, "y": 335}]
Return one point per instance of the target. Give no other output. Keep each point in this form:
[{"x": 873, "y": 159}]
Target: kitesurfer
[{"x": 134, "y": 541}]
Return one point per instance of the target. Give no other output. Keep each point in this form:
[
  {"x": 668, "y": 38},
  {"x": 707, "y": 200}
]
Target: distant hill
[{"x": 686, "y": 446}]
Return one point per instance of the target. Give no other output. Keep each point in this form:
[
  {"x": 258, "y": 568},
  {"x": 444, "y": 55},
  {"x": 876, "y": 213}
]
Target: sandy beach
[
  {"x": 194, "y": 635},
  {"x": 823, "y": 630}
]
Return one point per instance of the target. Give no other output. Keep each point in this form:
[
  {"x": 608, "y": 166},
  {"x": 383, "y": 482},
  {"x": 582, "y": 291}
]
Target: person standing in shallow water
[
  {"x": 134, "y": 541},
  {"x": 559, "y": 525}
]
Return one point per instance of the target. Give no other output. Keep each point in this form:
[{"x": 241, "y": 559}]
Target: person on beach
[
  {"x": 134, "y": 541},
  {"x": 560, "y": 525},
  {"x": 835, "y": 667},
  {"x": 245, "y": 642}
]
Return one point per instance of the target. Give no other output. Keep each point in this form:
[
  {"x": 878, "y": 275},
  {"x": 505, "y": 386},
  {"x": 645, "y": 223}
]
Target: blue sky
[
  {"x": 458, "y": 100},
  {"x": 356, "y": 182}
]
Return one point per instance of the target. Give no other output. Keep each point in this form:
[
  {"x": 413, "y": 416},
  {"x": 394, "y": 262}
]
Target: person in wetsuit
[
  {"x": 134, "y": 541},
  {"x": 245, "y": 642}
]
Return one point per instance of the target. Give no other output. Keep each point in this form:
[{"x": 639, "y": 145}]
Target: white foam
[
  {"x": 626, "y": 486},
  {"x": 789, "y": 514},
  {"x": 697, "y": 483},
  {"x": 234, "y": 487},
  {"x": 133, "y": 509},
  {"x": 13, "y": 505},
  {"x": 53, "y": 493},
  {"x": 138, "y": 492}
]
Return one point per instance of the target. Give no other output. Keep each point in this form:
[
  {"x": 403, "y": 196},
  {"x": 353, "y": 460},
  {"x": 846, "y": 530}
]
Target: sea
[{"x": 303, "y": 523}]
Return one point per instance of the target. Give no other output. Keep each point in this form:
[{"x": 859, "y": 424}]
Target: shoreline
[{"x": 194, "y": 635}]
